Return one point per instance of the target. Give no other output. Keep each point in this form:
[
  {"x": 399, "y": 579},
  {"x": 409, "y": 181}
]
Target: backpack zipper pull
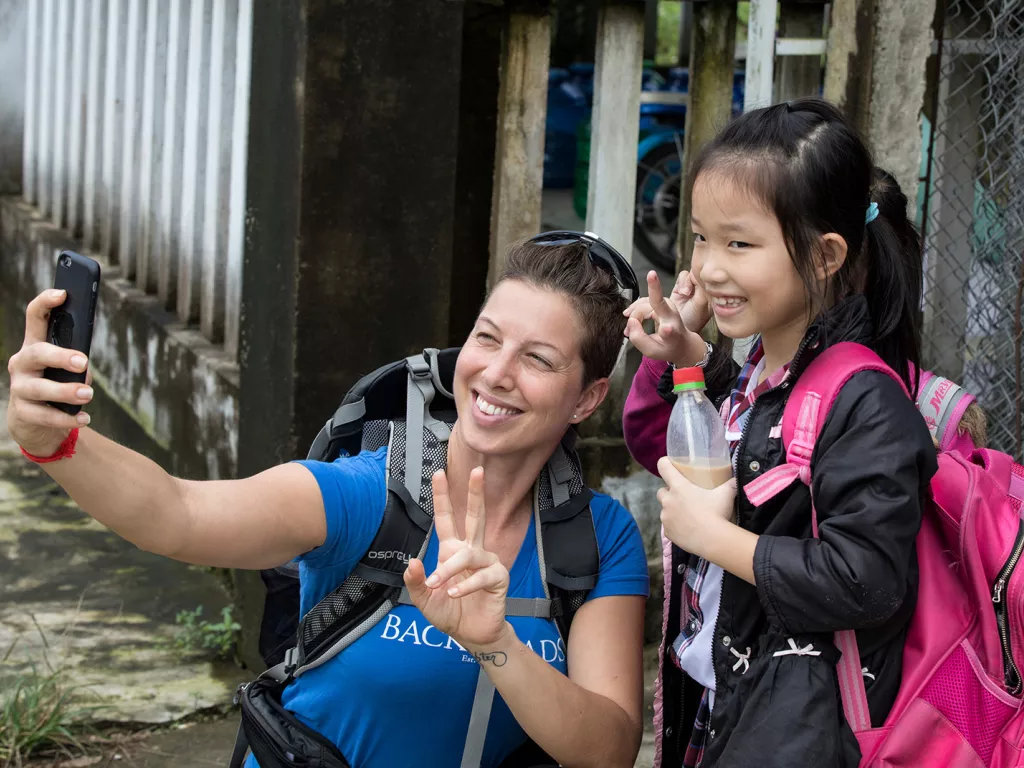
[{"x": 997, "y": 595}]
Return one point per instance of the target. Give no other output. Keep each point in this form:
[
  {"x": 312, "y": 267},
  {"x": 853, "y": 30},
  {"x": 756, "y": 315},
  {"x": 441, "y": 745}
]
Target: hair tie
[{"x": 872, "y": 214}]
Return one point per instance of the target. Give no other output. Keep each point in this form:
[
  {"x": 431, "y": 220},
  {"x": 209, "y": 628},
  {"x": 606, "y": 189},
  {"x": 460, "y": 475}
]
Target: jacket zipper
[
  {"x": 807, "y": 341},
  {"x": 1012, "y": 678}
]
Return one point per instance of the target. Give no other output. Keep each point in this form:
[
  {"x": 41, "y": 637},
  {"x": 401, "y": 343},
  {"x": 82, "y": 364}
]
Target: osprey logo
[{"x": 390, "y": 554}]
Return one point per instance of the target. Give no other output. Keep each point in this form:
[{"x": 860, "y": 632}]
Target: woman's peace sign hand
[{"x": 465, "y": 596}]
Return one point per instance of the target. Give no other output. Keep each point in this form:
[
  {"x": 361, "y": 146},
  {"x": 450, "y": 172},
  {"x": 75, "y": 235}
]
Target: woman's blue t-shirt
[{"x": 402, "y": 693}]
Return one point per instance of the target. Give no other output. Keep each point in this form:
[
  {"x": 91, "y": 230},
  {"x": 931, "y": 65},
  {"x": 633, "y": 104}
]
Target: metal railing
[{"x": 136, "y": 127}]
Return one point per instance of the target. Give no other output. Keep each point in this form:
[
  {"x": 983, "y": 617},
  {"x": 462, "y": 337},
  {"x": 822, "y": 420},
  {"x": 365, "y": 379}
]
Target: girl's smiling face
[{"x": 741, "y": 260}]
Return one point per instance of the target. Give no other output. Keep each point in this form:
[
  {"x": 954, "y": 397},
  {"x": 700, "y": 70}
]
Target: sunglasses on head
[{"x": 601, "y": 255}]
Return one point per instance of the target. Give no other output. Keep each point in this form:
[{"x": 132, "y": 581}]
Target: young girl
[{"x": 800, "y": 242}]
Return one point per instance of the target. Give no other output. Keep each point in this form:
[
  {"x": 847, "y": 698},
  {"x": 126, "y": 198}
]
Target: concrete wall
[
  {"x": 162, "y": 389},
  {"x": 876, "y": 64},
  {"x": 903, "y": 41},
  {"x": 12, "y": 92}
]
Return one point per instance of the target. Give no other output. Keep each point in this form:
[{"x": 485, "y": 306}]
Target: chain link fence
[{"x": 971, "y": 208}]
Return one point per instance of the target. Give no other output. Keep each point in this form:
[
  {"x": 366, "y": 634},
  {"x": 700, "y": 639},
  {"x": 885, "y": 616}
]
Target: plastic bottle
[{"x": 696, "y": 435}]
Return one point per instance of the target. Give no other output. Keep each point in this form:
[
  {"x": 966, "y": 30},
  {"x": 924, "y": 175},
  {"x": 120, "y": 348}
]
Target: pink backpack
[{"x": 959, "y": 703}]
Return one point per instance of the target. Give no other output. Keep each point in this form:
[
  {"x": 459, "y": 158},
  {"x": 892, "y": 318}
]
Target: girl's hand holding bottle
[{"x": 697, "y": 506}]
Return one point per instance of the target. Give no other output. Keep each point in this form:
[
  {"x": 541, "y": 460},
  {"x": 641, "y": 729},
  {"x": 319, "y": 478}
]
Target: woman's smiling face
[{"x": 519, "y": 377}]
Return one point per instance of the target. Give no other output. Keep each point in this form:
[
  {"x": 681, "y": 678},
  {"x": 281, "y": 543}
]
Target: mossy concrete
[{"x": 77, "y": 598}]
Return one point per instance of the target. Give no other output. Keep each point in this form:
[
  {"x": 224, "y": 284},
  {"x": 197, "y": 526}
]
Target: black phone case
[{"x": 71, "y": 324}]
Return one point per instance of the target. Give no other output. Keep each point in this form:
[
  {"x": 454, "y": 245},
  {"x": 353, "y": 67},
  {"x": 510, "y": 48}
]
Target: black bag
[{"x": 276, "y": 737}]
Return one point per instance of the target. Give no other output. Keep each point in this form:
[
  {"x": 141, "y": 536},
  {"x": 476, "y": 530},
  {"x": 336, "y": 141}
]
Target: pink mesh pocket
[{"x": 972, "y": 703}]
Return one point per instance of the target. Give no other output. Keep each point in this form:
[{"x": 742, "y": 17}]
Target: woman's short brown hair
[{"x": 592, "y": 292}]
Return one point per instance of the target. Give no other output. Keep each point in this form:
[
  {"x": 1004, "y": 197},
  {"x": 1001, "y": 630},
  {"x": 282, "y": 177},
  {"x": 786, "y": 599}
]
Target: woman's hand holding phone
[{"x": 50, "y": 380}]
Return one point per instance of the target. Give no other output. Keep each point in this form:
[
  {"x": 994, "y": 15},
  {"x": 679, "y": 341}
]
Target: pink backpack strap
[{"x": 806, "y": 411}]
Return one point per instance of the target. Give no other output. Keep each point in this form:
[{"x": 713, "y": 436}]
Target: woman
[{"x": 536, "y": 363}]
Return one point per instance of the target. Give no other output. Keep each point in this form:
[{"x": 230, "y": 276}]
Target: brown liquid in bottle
[{"x": 705, "y": 475}]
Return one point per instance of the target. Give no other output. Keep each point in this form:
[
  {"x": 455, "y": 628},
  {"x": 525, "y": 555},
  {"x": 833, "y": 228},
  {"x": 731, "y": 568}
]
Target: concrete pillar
[
  {"x": 615, "y": 128},
  {"x": 350, "y": 202},
  {"x": 712, "y": 62},
  {"x": 758, "y": 91},
  {"x": 522, "y": 110},
  {"x": 848, "y": 61},
  {"x": 875, "y": 72}
]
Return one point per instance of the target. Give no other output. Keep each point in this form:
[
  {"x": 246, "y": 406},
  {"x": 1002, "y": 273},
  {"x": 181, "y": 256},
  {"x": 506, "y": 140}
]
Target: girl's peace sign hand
[
  {"x": 465, "y": 596},
  {"x": 677, "y": 320}
]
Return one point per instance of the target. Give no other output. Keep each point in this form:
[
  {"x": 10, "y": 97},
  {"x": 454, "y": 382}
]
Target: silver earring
[{"x": 574, "y": 417}]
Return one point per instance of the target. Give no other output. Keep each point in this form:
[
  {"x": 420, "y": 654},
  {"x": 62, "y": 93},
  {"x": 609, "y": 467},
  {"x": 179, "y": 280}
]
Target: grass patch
[{"x": 39, "y": 717}]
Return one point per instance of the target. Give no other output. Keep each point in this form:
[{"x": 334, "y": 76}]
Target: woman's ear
[
  {"x": 833, "y": 255},
  {"x": 591, "y": 398}
]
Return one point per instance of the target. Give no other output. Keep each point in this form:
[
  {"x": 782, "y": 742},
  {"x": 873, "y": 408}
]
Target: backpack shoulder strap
[
  {"x": 824, "y": 379},
  {"x": 417, "y": 446},
  {"x": 567, "y": 548},
  {"x": 807, "y": 409}
]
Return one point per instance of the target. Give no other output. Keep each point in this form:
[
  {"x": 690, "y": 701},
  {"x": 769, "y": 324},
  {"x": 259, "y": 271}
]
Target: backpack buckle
[
  {"x": 418, "y": 367},
  {"x": 291, "y": 660}
]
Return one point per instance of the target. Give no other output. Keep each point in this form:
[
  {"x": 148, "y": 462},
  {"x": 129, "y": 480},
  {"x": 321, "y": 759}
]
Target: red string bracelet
[{"x": 64, "y": 451}]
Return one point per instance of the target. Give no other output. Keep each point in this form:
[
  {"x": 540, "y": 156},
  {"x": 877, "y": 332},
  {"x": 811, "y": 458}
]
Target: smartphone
[{"x": 71, "y": 323}]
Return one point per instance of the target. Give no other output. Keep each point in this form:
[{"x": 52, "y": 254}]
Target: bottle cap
[{"x": 686, "y": 379}]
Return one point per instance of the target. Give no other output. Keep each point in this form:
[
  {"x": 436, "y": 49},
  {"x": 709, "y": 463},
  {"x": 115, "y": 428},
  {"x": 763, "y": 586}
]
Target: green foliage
[
  {"x": 670, "y": 14},
  {"x": 195, "y": 634}
]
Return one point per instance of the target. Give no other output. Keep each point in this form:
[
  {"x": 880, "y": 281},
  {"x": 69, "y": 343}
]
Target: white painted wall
[{"x": 12, "y": 92}]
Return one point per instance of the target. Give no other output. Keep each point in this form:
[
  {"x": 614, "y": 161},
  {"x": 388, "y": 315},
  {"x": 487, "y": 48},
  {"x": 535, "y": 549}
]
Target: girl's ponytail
[{"x": 892, "y": 277}]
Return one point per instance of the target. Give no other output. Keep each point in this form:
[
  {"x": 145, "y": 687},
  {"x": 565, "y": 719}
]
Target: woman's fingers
[
  {"x": 493, "y": 578},
  {"x": 37, "y": 314},
  {"x": 34, "y": 358},
  {"x": 40, "y": 415},
  {"x": 468, "y": 559},
  {"x": 415, "y": 578},
  {"x": 476, "y": 517},
  {"x": 40, "y": 390},
  {"x": 444, "y": 521}
]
